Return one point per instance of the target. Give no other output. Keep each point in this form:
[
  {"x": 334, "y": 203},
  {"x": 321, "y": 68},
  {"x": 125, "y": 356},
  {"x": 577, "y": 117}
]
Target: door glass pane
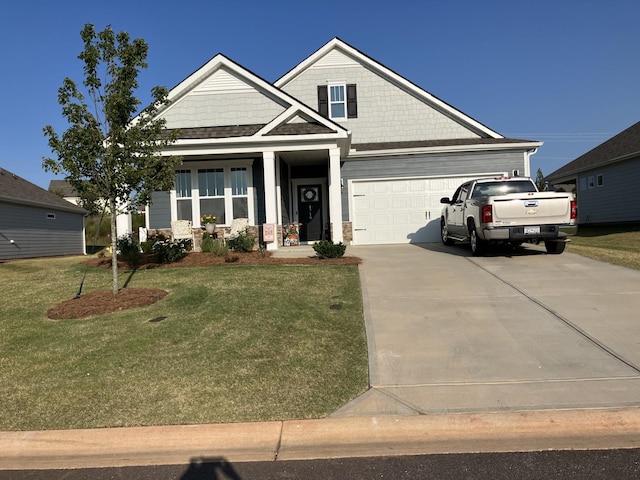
[{"x": 215, "y": 207}]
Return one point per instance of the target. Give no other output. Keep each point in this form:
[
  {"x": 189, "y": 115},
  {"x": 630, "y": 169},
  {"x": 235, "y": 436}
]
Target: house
[
  {"x": 604, "y": 178},
  {"x": 63, "y": 189},
  {"x": 37, "y": 223},
  {"x": 341, "y": 144}
]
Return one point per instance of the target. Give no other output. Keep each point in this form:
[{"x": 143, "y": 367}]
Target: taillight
[
  {"x": 574, "y": 210},
  {"x": 487, "y": 214}
]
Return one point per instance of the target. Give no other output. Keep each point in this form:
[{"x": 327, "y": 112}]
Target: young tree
[
  {"x": 540, "y": 183},
  {"x": 108, "y": 152}
]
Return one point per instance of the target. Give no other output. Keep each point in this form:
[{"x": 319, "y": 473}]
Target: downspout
[{"x": 527, "y": 164}]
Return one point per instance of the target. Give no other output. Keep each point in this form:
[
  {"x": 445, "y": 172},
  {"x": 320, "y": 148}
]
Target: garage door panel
[{"x": 400, "y": 211}]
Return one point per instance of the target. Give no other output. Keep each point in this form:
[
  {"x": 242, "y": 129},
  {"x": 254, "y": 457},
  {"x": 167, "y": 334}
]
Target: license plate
[{"x": 531, "y": 230}]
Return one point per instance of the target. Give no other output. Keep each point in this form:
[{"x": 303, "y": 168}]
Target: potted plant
[
  {"x": 209, "y": 222},
  {"x": 291, "y": 234}
]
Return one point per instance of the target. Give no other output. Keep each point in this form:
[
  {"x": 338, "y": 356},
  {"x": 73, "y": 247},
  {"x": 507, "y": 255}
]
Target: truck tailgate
[{"x": 539, "y": 208}]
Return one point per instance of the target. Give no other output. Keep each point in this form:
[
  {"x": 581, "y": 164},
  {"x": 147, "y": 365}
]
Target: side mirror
[{"x": 445, "y": 200}]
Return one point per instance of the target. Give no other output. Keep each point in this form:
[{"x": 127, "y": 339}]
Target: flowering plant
[
  {"x": 207, "y": 219},
  {"x": 292, "y": 228}
]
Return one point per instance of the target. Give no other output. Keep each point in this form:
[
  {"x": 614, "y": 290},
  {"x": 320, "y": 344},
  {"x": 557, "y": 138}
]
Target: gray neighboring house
[
  {"x": 605, "y": 179},
  {"x": 37, "y": 223},
  {"x": 341, "y": 144}
]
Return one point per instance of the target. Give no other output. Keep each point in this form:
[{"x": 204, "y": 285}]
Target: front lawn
[
  {"x": 228, "y": 344},
  {"x": 619, "y": 245}
]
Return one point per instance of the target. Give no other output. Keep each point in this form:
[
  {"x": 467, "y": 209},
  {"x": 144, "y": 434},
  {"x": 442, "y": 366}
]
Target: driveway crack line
[{"x": 564, "y": 320}]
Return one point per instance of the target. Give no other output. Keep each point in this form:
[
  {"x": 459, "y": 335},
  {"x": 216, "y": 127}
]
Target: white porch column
[
  {"x": 335, "y": 194},
  {"x": 270, "y": 204}
]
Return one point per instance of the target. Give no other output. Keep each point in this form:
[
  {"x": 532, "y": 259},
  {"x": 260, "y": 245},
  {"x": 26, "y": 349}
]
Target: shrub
[
  {"x": 213, "y": 246},
  {"x": 242, "y": 243},
  {"x": 167, "y": 251},
  {"x": 328, "y": 249},
  {"x": 128, "y": 249}
]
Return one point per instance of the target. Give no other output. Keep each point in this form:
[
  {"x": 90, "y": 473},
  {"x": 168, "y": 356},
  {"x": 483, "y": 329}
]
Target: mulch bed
[{"x": 104, "y": 301}]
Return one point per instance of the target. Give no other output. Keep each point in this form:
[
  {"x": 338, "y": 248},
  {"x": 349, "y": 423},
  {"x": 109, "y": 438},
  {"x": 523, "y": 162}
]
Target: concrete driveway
[{"x": 515, "y": 330}]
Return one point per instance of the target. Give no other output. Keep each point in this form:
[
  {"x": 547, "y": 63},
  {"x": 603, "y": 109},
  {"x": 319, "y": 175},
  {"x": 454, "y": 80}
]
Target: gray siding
[
  {"x": 213, "y": 110},
  {"x": 612, "y": 202},
  {"x": 386, "y": 113},
  {"x": 160, "y": 211},
  {"x": 428, "y": 166},
  {"x": 35, "y": 235}
]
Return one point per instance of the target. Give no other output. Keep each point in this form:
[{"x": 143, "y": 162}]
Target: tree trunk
[{"x": 114, "y": 241}]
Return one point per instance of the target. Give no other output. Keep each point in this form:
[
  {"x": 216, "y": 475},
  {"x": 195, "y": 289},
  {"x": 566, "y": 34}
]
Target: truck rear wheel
[{"x": 554, "y": 248}]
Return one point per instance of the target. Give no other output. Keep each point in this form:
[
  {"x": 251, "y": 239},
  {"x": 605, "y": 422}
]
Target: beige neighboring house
[{"x": 68, "y": 193}]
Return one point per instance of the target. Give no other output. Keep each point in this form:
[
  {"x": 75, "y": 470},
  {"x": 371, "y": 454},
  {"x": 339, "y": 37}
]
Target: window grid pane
[
  {"x": 183, "y": 183},
  {"x": 211, "y": 182},
  {"x": 238, "y": 181},
  {"x": 337, "y": 102}
]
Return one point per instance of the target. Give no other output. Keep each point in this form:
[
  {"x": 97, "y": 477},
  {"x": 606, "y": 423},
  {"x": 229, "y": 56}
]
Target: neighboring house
[
  {"x": 341, "y": 144},
  {"x": 605, "y": 178},
  {"x": 64, "y": 190},
  {"x": 37, "y": 223}
]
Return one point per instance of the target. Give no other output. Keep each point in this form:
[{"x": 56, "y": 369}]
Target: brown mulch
[{"x": 104, "y": 301}]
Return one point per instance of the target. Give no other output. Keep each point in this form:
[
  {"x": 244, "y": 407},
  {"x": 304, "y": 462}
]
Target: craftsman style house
[{"x": 340, "y": 144}]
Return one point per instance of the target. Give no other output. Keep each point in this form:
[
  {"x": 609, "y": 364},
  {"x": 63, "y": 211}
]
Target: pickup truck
[{"x": 507, "y": 210}]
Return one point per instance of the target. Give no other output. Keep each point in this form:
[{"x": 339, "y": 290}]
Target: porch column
[
  {"x": 335, "y": 194},
  {"x": 270, "y": 204}
]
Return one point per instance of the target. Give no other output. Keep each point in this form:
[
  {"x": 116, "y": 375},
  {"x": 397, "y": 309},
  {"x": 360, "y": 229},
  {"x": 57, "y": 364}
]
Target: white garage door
[{"x": 399, "y": 211}]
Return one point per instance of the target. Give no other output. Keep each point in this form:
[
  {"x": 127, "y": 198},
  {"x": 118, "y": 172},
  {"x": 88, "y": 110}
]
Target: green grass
[
  {"x": 238, "y": 344},
  {"x": 619, "y": 245}
]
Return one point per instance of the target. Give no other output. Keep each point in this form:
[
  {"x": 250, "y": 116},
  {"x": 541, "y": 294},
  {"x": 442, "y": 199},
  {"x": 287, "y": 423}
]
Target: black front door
[{"x": 310, "y": 212}]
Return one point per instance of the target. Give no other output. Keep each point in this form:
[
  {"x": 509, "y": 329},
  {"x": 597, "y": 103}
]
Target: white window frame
[
  {"x": 343, "y": 102},
  {"x": 600, "y": 180},
  {"x": 228, "y": 193}
]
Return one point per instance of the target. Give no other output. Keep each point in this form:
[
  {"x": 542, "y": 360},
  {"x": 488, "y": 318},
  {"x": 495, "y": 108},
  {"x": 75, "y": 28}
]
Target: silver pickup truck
[{"x": 507, "y": 210}]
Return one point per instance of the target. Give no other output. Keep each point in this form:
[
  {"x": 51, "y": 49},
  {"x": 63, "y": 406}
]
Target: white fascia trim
[
  {"x": 295, "y": 110},
  {"x": 244, "y": 148},
  {"x": 385, "y": 72},
  {"x": 354, "y": 154}
]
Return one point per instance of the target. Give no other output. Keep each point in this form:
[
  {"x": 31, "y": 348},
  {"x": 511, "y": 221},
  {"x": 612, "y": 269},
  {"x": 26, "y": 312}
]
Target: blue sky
[{"x": 565, "y": 72}]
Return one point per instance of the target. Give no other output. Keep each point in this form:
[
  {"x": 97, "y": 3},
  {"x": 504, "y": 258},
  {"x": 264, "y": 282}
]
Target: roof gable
[
  {"x": 623, "y": 146},
  {"x": 337, "y": 53},
  {"x": 234, "y": 102}
]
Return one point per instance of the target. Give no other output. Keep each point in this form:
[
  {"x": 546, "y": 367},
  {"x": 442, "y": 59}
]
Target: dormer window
[{"x": 337, "y": 101}]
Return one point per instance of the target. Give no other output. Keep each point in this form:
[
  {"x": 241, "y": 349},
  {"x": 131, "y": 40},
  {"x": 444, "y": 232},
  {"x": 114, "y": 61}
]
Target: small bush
[
  {"x": 167, "y": 251},
  {"x": 213, "y": 246},
  {"x": 242, "y": 243},
  {"x": 128, "y": 249},
  {"x": 328, "y": 249}
]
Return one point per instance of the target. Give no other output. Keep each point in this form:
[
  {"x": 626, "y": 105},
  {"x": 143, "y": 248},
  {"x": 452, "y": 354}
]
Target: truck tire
[
  {"x": 554, "y": 248},
  {"x": 444, "y": 233},
  {"x": 477, "y": 244}
]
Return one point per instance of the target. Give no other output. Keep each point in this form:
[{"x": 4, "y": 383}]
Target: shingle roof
[
  {"x": 62, "y": 187},
  {"x": 18, "y": 190},
  {"x": 621, "y": 147},
  {"x": 230, "y": 131},
  {"x": 435, "y": 143}
]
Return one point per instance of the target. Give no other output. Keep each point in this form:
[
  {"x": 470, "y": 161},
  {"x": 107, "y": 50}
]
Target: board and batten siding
[
  {"x": 423, "y": 166},
  {"x": 39, "y": 232},
  {"x": 386, "y": 113},
  {"x": 611, "y": 202}
]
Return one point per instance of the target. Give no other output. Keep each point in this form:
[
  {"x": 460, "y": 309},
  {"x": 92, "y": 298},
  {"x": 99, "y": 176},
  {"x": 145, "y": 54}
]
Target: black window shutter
[
  {"x": 352, "y": 101},
  {"x": 323, "y": 101}
]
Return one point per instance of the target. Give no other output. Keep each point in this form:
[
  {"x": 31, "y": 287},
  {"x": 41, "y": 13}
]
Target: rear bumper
[{"x": 518, "y": 234}]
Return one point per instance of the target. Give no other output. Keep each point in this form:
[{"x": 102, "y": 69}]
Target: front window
[
  {"x": 337, "y": 102},
  {"x": 183, "y": 194},
  {"x": 211, "y": 191},
  {"x": 223, "y": 192}
]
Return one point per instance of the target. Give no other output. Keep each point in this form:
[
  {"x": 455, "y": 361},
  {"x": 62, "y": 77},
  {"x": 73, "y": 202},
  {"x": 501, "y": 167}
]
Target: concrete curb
[{"x": 327, "y": 438}]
